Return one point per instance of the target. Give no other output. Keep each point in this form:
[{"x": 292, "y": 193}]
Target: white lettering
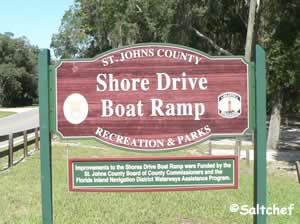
[{"x": 164, "y": 82}]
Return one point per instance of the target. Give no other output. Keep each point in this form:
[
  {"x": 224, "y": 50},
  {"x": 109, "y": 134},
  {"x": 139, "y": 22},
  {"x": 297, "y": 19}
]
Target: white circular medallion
[{"x": 76, "y": 108}]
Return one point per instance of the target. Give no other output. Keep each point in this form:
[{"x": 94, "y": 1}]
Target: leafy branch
[{"x": 211, "y": 42}]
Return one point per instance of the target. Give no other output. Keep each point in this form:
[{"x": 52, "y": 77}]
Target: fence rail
[{"x": 14, "y": 143}]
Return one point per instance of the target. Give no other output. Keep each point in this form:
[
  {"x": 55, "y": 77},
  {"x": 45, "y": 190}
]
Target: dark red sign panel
[{"x": 152, "y": 97}]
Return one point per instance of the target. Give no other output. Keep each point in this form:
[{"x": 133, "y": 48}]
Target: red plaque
[{"x": 152, "y": 97}]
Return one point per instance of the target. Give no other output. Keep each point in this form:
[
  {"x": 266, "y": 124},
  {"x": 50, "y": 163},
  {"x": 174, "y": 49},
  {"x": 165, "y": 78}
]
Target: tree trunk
[
  {"x": 274, "y": 126},
  {"x": 250, "y": 30},
  {"x": 249, "y": 39}
]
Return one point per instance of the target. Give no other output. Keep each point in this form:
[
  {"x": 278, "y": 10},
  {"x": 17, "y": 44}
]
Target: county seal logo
[{"x": 229, "y": 105}]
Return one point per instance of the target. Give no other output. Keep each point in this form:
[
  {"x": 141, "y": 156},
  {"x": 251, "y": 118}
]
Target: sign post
[
  {"x": 260, "y": 162},
  {"x": 45, "y": 136}
]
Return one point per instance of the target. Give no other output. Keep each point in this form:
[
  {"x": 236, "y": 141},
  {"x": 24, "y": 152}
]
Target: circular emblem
[
  {"x": 75, "y": 108},
  {"x": 229, "y": 105}
]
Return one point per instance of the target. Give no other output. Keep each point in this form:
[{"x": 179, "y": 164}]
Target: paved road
[
  {"x": 20, "y": 121},
  {"x": 19, "y": 109}
]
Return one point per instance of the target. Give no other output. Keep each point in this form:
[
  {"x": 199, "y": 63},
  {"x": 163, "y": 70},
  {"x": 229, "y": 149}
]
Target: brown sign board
[{"x": 152, "y": 97}]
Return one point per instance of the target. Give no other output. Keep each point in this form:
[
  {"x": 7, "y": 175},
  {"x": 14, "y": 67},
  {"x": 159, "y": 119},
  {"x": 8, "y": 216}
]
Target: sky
[{"x": 38, "y": 20}]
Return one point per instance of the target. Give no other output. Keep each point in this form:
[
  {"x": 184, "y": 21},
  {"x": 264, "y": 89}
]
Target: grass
[
  {"x": 6, "y": 114},
  {"x": 20, "y": 195}
]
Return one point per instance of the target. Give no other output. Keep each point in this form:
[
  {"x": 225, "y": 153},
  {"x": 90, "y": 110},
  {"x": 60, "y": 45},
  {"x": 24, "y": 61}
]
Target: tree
[
  {"x": 250, "y": 30},
  {"x": 71, "y": 41},
  {"x": 211, "y": 26},
  {"x": 102, "y": 25},
  {"x": 18, "y": 79},
  {"x": 11, "y": 88},
  {"x": 280, "y": 36}
]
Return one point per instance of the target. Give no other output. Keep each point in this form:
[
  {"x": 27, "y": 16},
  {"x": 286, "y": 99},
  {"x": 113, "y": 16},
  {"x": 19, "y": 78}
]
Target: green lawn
[
  {"x": 6, "y": 113},
  {"x": 20, "y": 196}
]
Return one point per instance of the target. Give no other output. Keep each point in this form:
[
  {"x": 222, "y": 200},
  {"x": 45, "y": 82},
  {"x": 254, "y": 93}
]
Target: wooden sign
[{"x": 152, "y": 97}]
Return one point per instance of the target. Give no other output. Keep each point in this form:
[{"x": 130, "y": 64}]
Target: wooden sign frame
[{"x": 53, "y": 97}]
